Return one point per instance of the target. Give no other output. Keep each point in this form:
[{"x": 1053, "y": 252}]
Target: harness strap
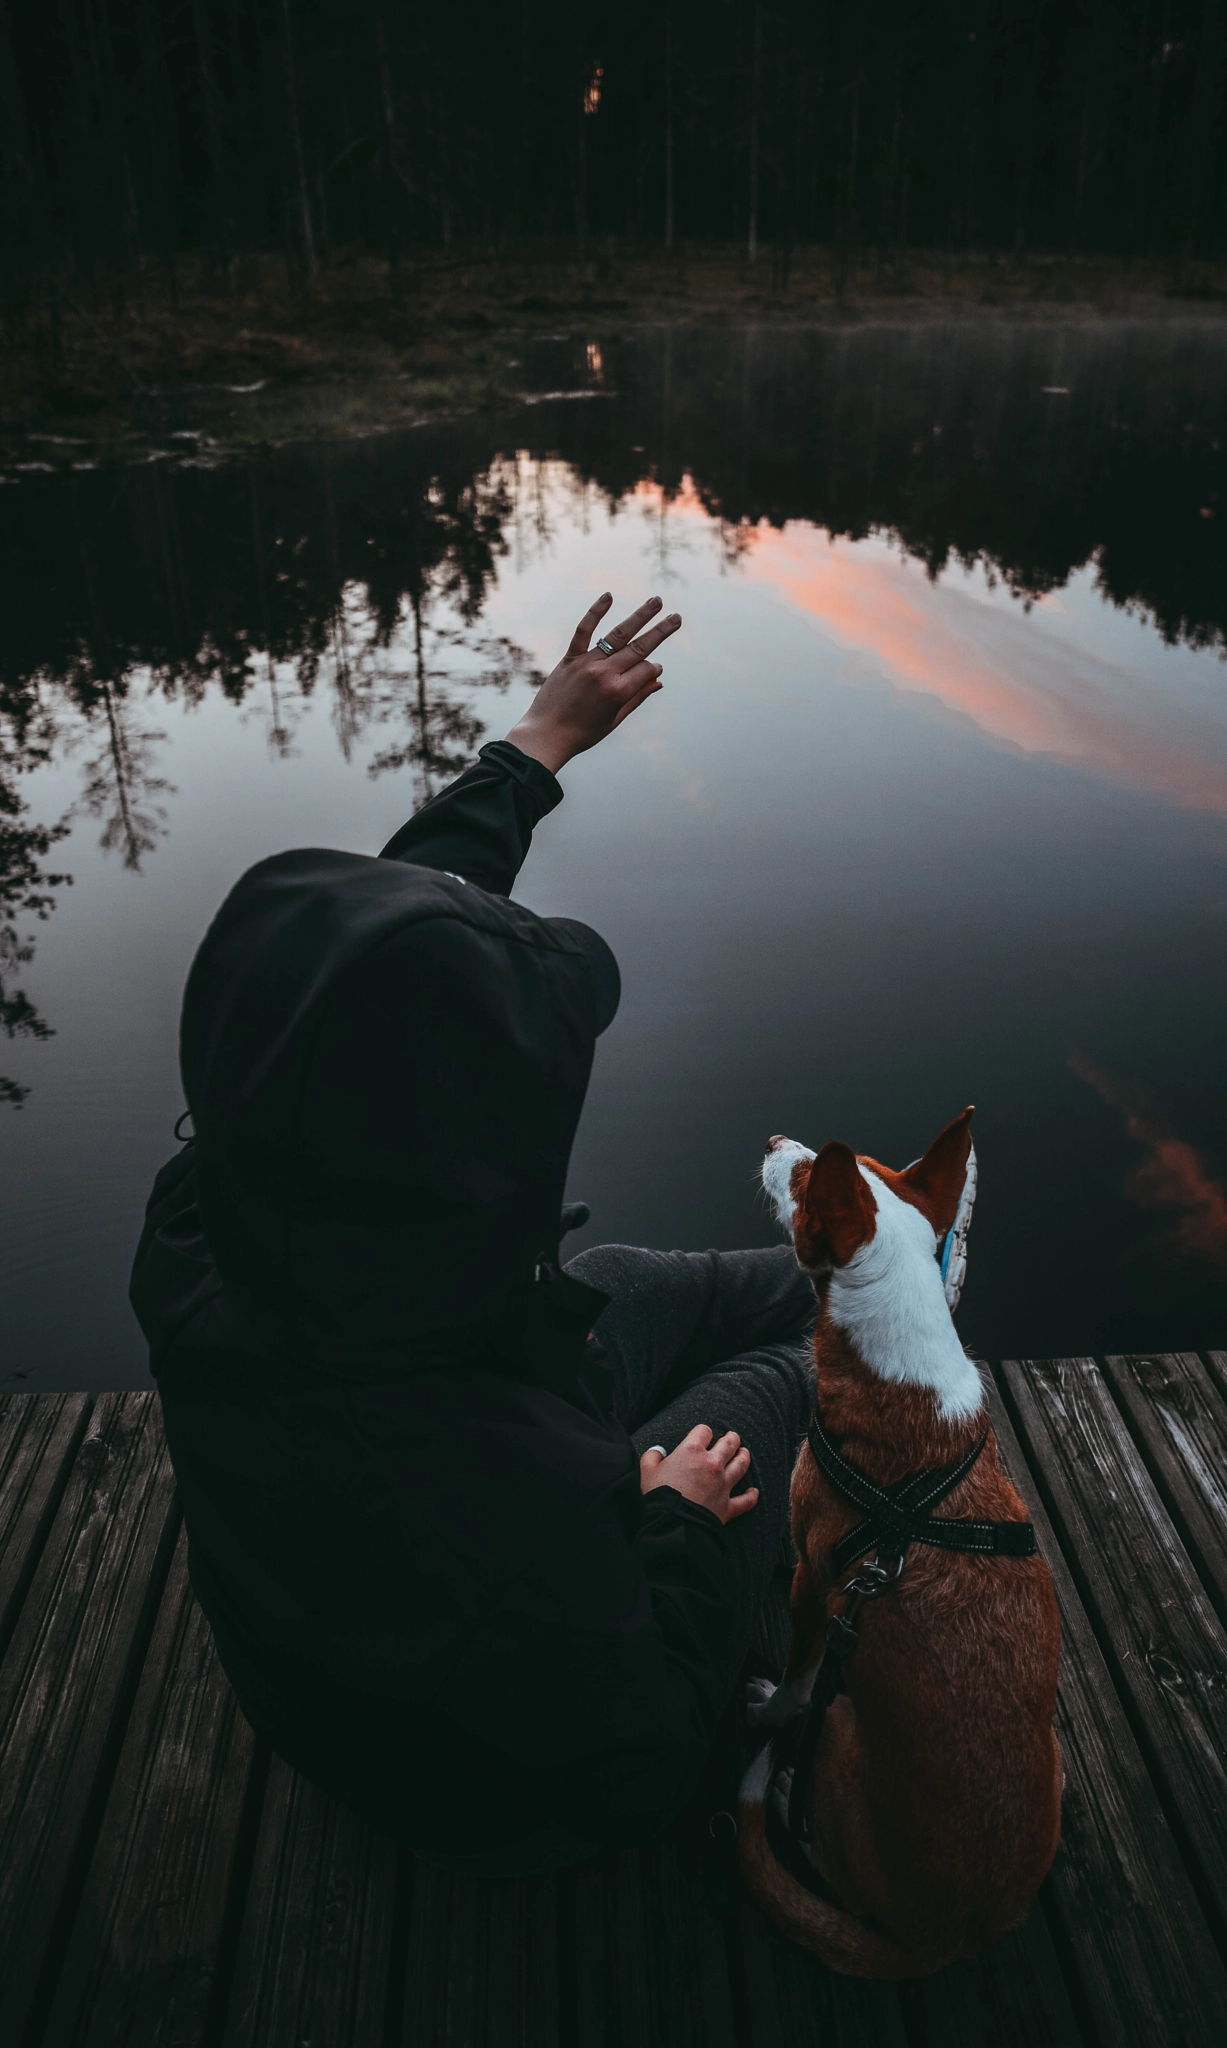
[
  {"x": 895, "y": 1516},
  {"x": 902, "y": 1514},
  {"x": 797, "y": 1744}
]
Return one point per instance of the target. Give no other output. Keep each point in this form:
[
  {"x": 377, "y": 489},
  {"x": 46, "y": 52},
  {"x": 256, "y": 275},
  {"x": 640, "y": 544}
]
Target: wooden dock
[{"x": 166, "y": 1883}]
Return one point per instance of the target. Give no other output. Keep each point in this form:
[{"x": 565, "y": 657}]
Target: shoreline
[{"x": 218, "y": 366}]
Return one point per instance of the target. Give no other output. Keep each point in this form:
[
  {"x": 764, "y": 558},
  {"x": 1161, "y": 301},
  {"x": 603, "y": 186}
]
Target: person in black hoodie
[{"x": 472, "y": 1529}]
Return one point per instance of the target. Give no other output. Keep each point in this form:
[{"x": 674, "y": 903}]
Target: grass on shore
[{"x": 206, "y": 362}]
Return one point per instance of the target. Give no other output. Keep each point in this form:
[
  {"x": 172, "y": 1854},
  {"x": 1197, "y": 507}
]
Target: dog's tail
[{"x": 839, "y": 1939}]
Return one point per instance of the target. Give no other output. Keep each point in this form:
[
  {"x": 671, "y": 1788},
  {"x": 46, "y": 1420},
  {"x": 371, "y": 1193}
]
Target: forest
[{"x": 136, "y": 133}]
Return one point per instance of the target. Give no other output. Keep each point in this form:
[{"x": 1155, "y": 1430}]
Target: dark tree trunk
[
  {"x": 756, "y": 94},
  {"x": 1206, "y": 110},
  {"x": 215, "y": 130},
  {"x": 847, "y": 214},
  {"x": 669, "y": 213},
  {"x": 29, "y": 244},
  {"x": 298, "y": 196},
  {"x": 395, "y": 177}
]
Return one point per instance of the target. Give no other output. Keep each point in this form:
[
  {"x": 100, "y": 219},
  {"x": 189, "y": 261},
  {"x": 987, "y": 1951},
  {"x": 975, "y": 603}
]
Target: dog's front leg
[
  {"x": 808, "y": 1609},
  {"x": 771, "y": 1707}
]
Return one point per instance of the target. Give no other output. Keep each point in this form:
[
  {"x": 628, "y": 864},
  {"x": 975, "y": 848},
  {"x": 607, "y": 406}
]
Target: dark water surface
[{"x": 933, "y": 808}]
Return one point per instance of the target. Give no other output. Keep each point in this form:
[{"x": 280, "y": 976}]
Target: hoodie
[{"x": 413, "y": 1523}]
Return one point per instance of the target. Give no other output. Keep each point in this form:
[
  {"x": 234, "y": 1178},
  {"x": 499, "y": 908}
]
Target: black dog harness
[{"x": 895, "y": 1517}]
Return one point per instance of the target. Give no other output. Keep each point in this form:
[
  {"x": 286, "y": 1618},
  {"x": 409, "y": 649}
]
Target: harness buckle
[{"x": 875, "y": 1577}]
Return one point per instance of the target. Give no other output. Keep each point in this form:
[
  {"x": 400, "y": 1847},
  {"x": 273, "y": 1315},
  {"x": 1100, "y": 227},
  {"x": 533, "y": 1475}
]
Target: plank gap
[
  {"x": 36, "y": 1538},
  {"x": 913, "y": 2015},
  {"x": 240, "y": 1884},
  {"x": 568, "y": 1978},
  {"x": 739, "y": 1990},
  {"x": 95, "y": 1805},
  {"x": 1058, "y": 1934},
  {"x": 1215, "y": 1363},
  {"x": 398, "y": 1949}
]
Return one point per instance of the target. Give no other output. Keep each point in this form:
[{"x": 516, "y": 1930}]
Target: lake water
[{"x": 933, "y": 808}]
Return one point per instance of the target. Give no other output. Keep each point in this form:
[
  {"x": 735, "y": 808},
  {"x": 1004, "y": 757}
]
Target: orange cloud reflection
[
  {"x": 1021, "y": 678},
  {"x": 1170, "y": 1174},
  {"x": 1026, "y": 686}
]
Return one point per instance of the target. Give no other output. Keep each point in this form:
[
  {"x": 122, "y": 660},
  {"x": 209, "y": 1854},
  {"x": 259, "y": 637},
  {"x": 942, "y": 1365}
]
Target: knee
[{"x": 784, "y": 1377}]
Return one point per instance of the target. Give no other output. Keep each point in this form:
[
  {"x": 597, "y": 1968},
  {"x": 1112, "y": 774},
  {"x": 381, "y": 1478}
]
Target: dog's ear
[
  {"x": 837, "y": 1213},
  {"x": 936, "y": 1181}
]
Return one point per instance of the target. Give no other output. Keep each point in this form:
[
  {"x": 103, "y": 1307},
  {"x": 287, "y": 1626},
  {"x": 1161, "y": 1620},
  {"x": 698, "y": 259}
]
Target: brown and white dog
[{"x": 935, "y": 1803}]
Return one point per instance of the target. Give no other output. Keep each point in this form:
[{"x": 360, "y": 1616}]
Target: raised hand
[{"x": 590, "y": 692}]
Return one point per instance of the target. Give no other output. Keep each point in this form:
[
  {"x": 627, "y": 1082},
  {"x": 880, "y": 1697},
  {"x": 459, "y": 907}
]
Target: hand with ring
[{"x": 594, "y": 688}]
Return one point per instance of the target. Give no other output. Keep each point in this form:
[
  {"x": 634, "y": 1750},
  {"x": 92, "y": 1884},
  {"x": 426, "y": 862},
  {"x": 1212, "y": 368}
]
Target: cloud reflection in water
[
  {"x": 966, "y": 641},
  {"x": 1171, "y": 1174}
]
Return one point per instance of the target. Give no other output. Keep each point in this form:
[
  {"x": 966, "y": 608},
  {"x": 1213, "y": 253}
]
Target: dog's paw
[{"x": 758, "y": 1696}]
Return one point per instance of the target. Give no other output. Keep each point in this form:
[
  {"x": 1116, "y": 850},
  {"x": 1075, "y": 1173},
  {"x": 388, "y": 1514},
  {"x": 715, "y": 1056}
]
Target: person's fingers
[
  {"x": 737, "y": 1467},
  {"x": 727, "y": 1447},
  {"x": 652, "y": 636},
  {"x": 643, "y": 643},
  {"x": 741, "y": 1503},
  {"x": 625, "y": 682},
  {"x": 698, "y": 1439},
  {"x": 620, "y": 634},
  {"x": 631, "y": 681},
  {"x": 649, "y": 690},
  {"x": 651, "y": 1460},
  {"x": 582, "y": 637}
]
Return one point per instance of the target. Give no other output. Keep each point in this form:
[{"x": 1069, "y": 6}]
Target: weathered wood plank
[
  {"x": 39, "y": 1434},
  {"x": 314, "y": 1947},
  {"x": 67, "y": 1679},
  {"x": 1012, "y": 1996},
  {"x": 650, "y": 1960},
  {"x": 1217, "y": 1362},
  {"x": 650, "y": 1956},
  {"x": 483, "y": 1963},
  {"x": 793, "y": 2002},
  {"x": 613, "y": 2003},
  {"x": 1128, "y": 1921},
  {"x": 142, "y": 1958},
  {"x": 1179, "y": 1420}
]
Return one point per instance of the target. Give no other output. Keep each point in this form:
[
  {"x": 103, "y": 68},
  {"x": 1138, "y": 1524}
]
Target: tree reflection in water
[
  {"x": 363, "y": 567},
  {"x": 160, "y": 592},
  {"x": 26, "y": 893}
]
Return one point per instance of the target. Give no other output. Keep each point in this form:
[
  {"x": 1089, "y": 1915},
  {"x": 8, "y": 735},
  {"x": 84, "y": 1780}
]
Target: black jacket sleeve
[
  {"x": 604, "y": 1669},
  {"x": 481, "y": 826},
  {"x": 638, "y": 1785}
]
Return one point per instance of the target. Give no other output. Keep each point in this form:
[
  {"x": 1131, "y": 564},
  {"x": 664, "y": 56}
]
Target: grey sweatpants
[{"x": 721, "y": 1338}]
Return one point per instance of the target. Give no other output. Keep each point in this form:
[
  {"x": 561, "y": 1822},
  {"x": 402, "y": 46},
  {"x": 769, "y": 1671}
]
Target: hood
[{"x": 385, "y": 1069}]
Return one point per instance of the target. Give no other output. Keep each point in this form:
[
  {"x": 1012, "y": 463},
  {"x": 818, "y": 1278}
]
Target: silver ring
[
  {"x": 657, "y": 1447},
  {"x": 606, "y": 647}
]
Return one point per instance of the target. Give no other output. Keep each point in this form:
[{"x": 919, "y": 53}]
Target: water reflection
[
  {"x": 1171, "y": 1175},
  {"x": 141, "y": 587},
  {"x": 1023, "y": 679},
  {"x": 1019, "y": 529}
]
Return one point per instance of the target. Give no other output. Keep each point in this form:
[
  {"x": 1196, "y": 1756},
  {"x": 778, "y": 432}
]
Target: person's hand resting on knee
[
  {"x": 703, "y": 1471},
  {"x": 591, "y": 691}
]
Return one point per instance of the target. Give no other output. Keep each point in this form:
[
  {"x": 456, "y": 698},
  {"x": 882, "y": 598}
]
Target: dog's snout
[{"x": 773, "y": 1144}]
